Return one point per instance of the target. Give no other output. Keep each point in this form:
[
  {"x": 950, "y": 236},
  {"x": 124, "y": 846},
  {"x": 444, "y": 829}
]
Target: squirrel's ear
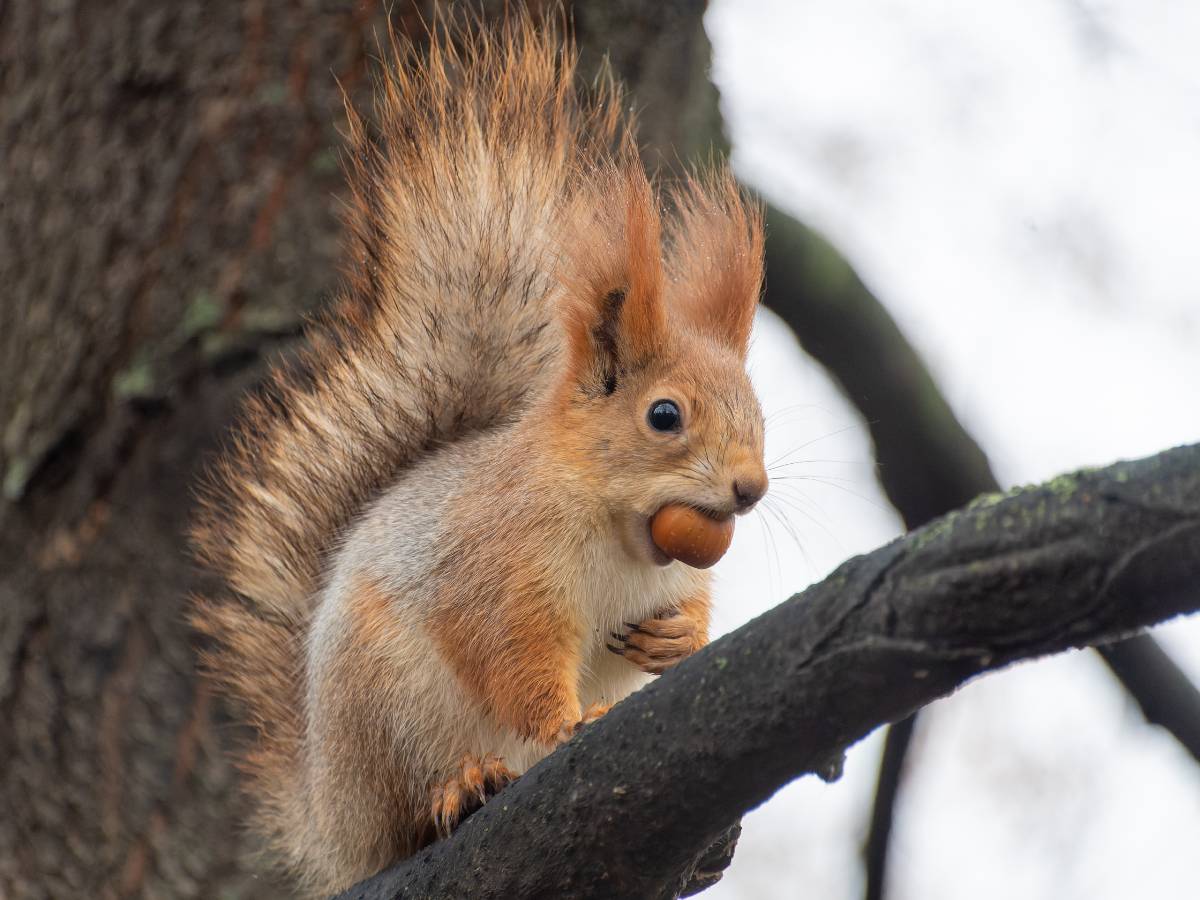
[
  {"x": 716, "y": 257},
  {"x": 613, "y": 284}
]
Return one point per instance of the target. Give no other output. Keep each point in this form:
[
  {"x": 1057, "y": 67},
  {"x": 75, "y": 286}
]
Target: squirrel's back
[{"x": 459, "y": 185}]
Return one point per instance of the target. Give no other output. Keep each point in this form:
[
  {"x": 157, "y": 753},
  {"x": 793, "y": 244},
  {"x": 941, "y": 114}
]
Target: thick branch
[{"x": 629, "y": 803}]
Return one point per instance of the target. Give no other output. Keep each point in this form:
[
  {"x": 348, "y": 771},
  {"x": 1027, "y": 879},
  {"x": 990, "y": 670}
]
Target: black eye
[{"x": 664, "y": 416}]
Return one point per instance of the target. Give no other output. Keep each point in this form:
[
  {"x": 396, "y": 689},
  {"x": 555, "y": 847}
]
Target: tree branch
[
  {"x": 1164, "y": 693},
  {"x": 887, "y": 787},
  {"x": 629, "y": 803},
  {"x": 928, "y": 463}
]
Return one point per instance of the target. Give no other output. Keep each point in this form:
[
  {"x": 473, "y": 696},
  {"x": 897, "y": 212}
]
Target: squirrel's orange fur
[{"x": 433, "y": 524}]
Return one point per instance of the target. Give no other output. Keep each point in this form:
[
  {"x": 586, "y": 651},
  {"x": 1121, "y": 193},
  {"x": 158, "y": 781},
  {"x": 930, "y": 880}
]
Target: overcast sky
[{"x": 1020, "y": 184}]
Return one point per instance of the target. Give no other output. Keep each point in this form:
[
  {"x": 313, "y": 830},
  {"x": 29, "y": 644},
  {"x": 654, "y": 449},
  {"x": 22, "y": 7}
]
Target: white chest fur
[{"x": 611, "y": 592}]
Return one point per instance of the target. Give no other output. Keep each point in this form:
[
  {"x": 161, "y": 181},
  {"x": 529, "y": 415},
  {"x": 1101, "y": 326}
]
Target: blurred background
[
  {"x": 1019, "y": 184},
  {"x": 981, "y": 272}
]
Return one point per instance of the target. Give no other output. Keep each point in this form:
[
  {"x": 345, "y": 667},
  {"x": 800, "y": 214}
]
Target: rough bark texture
[
  {"x": 166, "y": 180},
  {"x": 1082, "y": 560},
  {"x": 169, "y": 177}
]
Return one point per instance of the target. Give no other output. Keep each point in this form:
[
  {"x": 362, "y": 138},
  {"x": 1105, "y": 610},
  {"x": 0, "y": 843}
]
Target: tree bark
[
  {"x": 1085, "y": 559},
  {"x": 166, "y": 215}
]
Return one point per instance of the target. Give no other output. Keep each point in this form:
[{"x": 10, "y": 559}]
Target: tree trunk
[{"x": 169, "y": 176}]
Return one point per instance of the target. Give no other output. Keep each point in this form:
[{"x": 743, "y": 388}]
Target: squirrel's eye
[{"x": 664, "y": 416}]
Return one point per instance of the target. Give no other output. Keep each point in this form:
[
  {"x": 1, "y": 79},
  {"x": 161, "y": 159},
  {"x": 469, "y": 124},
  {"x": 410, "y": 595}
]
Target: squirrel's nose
[{"x": 748, "y": 491}]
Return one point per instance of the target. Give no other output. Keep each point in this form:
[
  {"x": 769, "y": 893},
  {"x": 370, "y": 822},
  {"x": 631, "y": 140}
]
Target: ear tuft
[
  {"x": 613, "y": 276},
  {"x": 716, "y": 257}
]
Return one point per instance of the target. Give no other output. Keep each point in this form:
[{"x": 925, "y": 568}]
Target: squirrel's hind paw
[{"x": 481, "y": 779}]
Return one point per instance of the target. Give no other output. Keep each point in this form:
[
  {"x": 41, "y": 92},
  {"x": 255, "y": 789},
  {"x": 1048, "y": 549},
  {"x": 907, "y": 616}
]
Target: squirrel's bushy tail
[{"x": 458, "y": 187}]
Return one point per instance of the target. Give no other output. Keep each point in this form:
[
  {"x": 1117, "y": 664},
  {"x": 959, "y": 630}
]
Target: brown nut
[{"x": 690, "y": 536}]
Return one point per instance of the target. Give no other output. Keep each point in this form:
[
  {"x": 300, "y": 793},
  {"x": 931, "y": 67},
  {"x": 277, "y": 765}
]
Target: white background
[{"x": 1020, "y": 183}]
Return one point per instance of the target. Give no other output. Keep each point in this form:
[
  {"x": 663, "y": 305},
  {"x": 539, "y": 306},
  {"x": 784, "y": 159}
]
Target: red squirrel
[{"x": 435, "y": 526}]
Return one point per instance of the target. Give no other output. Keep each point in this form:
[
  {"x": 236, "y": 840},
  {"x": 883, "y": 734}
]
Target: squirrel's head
[{"x": 655, "y": 398}]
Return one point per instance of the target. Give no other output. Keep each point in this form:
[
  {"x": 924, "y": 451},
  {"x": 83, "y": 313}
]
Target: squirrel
[{"x": 433, "y": 527}]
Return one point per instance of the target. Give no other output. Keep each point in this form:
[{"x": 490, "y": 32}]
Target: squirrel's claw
[
  {"x": 656, "y": 644},
  {"x": 569, "y": 728},
  {"x": 454, "y": 800}
]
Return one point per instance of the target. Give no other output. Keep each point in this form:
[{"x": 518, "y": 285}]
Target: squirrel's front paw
[{"x": 654, "y": 645}]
